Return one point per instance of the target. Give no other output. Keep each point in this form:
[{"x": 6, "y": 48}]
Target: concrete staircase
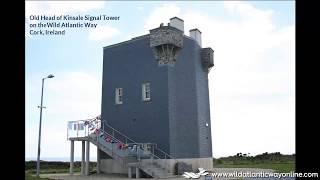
[
  {"x": 155, "y": 170},
  {"x": 112, "y": 150},
  {"x": 139, "y": 158}
]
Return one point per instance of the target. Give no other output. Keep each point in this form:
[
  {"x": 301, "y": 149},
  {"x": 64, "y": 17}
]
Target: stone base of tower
[
  {"x": 206, "y": 163},
  {"x": 113, "y": 166}
]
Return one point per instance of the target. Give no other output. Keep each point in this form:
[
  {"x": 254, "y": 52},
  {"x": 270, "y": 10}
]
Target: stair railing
[
  {"x": 156, "y": 153},
  {"x": 129, "y": 140},
  {"x": 100, "y": 144}
]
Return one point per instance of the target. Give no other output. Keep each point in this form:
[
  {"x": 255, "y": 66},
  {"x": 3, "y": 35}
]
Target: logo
[{"x": 191, "y": 175}]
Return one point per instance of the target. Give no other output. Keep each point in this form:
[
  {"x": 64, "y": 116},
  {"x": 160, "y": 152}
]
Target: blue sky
[{"x": 252, "y": 96}]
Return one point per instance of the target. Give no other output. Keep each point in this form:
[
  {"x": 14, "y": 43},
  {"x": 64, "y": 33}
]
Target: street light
[{"x": 38, "y": 158}]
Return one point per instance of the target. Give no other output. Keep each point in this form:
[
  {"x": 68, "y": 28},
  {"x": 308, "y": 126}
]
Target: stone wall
[
  {"x": 166, "y": 35},
  {"x": 166, "y": 42},
  {"x": 206, "y": 163},
  {"x": 207, "y": 58},
  {"x": 112, "y": 166}
]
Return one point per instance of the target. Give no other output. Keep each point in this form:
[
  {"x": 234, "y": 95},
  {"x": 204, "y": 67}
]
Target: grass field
[
  {"x": 278, "y": 167},
  {"x": 51, "y": 168},
  {"x": 30, "y": 174},
  {"x": 30, "y": 177},
  {"x": 276, "y": 161}
]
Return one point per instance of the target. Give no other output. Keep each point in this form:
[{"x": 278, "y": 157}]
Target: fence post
[
  {"x": 77, "y": 126},
  {"x": 138, "y": 151}
]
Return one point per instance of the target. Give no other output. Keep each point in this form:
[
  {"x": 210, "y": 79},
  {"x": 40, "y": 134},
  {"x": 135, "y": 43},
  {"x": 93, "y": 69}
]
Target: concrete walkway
[
  {"x": 95, "y": 177},
  {"x": 78, "y": 176}
]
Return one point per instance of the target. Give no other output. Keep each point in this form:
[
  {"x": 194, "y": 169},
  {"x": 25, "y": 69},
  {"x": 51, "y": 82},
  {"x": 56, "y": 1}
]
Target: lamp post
[{"x": 38, "y": 158}]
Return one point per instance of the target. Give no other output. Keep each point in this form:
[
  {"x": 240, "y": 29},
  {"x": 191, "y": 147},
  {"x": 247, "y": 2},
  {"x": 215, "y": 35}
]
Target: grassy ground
[
  {"x": 278, "y": 167},
  {"x": 29, "y": 176},
  {"x": 51, "y": 171},
  {"x": 30, "y": 173},
  {"x": 52, "y": 168},
  {"x": 276, "y": 161}
]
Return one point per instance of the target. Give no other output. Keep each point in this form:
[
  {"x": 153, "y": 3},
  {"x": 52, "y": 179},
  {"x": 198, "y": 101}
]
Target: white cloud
[
  {"x": 103, "y": 32},
  {"x": 247, "y": 12},
  {"x": 61, "y": 7},
  {"x": 252, "y": 83},
  {"x": 161, "y": 15}
]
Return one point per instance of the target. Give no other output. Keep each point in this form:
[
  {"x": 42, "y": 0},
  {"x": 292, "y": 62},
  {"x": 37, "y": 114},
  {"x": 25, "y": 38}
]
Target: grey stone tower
[{"x": 155, "y": 89}]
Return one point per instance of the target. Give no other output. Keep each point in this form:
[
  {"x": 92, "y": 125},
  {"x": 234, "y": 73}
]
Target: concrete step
[{"x": 155, "y": 171}]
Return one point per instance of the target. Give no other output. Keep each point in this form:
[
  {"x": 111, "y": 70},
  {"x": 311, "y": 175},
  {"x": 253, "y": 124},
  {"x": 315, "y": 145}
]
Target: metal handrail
[
  {"x": 119, "y": 157},
  {"x": 166, "y": 154},
  {"x": 103, "y": 131},
  {"x": 102, "y": 124},
  {"x": 119, "y": 132},
  {"x": 110, "y": 135}
]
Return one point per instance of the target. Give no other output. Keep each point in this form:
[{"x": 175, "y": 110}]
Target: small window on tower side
[
  {"x": 119, "y": 95},
  {"x": 146, "y": 92}
]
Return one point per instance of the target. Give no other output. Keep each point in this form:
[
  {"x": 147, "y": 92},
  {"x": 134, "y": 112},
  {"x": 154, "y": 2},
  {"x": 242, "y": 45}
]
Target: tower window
[
  {"x": 119, "y": 95},
  {"x": 146, "y": 92}
]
